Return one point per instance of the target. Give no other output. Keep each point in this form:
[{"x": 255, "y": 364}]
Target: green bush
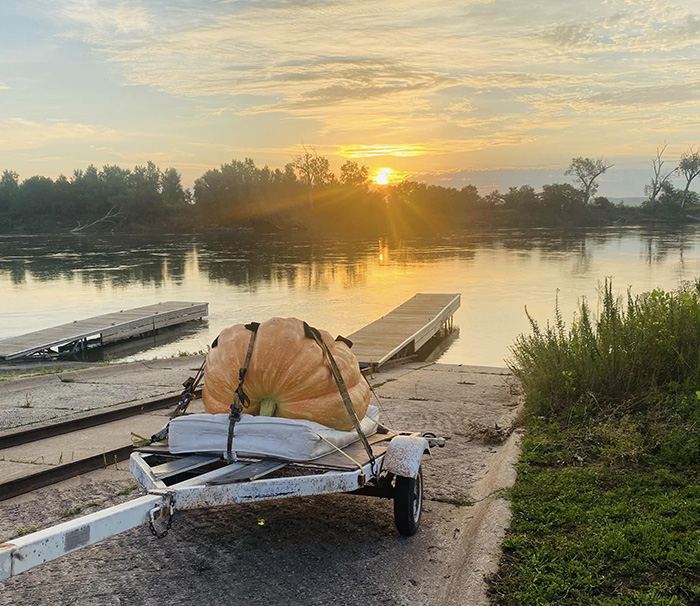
[{"x": 614, "y": 363}]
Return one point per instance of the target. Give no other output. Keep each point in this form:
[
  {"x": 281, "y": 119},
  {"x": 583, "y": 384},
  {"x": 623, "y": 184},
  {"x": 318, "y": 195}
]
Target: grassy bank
[{"x": 606, "y": 507}]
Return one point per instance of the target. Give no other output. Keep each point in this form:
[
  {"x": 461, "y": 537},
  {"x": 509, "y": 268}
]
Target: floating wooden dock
[
  {"x": 100, "y": 330},
  {"x": 403, "y": 331}
]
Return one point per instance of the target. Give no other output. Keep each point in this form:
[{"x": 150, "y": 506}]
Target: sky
[{"x": 494, "y": 93}]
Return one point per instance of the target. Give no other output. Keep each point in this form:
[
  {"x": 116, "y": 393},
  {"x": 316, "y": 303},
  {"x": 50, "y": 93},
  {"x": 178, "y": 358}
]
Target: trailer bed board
[{"x": 250, "y": 472}]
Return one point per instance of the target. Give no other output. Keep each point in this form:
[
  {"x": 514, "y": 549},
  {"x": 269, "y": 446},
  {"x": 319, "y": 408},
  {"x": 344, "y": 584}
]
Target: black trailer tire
[{"x": 408, "y": 503}]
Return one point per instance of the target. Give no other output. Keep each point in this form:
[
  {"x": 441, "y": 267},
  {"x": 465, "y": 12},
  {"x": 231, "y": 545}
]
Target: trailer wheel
[{"x": 408, "y": 503}]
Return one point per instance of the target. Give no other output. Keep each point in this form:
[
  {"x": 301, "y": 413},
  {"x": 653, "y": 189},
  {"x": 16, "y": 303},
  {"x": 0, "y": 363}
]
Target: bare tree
[
  {"x": 658, "y": 177},
  {"x": 114, "y": 217},
  {"x": 586, "y": 171},
  {"x": 689, "y": 167},
  {"x": 314, "y": 170}
]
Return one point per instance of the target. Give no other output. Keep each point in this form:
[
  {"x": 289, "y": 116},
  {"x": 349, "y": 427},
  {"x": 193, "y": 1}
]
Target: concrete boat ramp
[
  {"x": 72, "y": 447},
  {"x": 345, "y": 547}
]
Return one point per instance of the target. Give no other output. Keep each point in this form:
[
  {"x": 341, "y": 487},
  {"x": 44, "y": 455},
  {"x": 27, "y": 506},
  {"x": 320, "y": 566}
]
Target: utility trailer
[{"x": 192, "y": 481}]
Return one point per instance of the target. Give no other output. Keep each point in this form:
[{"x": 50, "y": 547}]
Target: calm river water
[{"x": 336, "y": 284}]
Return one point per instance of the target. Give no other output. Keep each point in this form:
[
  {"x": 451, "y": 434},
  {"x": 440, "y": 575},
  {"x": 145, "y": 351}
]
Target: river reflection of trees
[
  {"x": 656, "y": 249},
  {"x": 256, "y": 260}
]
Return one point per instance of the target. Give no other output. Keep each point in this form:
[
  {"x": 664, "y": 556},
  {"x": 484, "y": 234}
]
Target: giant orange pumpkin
[{"x": 288, "y": 375}]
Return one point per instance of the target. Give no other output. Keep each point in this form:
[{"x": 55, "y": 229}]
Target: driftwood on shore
[{"x": 115, "y": 216}]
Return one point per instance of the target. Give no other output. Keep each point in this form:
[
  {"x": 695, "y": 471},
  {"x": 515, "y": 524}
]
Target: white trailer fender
[{"x": 404, "y": 455}]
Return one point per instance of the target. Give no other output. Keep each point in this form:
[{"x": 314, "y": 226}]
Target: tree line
[
  {"x": 306, "y": 194},
  {"x": 144, "y": 194}
]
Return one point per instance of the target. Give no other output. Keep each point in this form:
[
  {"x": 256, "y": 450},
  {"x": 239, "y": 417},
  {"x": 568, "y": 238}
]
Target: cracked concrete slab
[
  {"x": 170, "y": 372},
  {"x": 11, "y": 470},
  {"x": 468, "y": 419},
  {"x": 76, "y": 396},
  {"x": 438, "y": 385},
  {"x": 85, "y": 442},
  {"x": 13, "y": 418},
  {"x": 32, "y": 400},
  {"x": 464, "y": 368}
]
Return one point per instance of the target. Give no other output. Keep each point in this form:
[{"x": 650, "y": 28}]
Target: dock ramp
[{"x": 403, "y": 331}]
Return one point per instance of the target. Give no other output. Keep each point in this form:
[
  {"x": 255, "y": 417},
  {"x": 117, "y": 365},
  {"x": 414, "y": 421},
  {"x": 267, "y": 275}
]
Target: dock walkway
[
  {"x": 403, "y": 331},
  {"x": 100, "y": 330}
]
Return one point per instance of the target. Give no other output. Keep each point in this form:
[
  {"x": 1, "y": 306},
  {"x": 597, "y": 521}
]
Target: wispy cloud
[
  {"x": 571, "y": 35},
  {"x": 434, "y": 147},
  {"x": 320, "y": 54},
  {"x": 96, "y": 19},
  {"x": 20, "y": 134},
  {"x": 372, "y": 151},
  {"x": 669, "y": 94}
]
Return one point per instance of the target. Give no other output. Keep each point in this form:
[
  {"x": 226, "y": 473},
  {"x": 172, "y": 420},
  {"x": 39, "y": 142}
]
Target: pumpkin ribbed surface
[{"x": 288, "y": 375}]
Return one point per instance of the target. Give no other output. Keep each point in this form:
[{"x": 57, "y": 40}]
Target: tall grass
[{"x": 613, "y": 360}]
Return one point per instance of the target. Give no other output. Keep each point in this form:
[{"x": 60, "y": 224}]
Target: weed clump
[{"x": 630, "y": 376}]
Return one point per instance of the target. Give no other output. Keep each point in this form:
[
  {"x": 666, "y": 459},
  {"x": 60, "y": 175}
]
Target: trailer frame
[{"x": 195, "y": 481}]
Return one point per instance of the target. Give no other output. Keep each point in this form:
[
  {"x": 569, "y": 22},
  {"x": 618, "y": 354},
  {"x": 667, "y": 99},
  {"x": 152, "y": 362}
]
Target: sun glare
[{"x": 383, "y": 176}]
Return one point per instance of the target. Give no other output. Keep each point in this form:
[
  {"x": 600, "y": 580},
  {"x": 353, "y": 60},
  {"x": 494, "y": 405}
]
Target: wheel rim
[{"x": 417, "y": 496}]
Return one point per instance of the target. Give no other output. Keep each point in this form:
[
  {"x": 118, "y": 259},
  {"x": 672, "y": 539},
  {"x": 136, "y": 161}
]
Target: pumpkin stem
[{"x": 268, "y": 407}]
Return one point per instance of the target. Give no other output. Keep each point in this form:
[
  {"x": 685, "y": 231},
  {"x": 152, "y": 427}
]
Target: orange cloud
[{"x": 373, "y": 151}]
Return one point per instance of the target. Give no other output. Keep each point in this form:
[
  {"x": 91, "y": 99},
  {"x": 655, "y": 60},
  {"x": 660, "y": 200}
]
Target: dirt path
[{"x": 316, "y": 550}]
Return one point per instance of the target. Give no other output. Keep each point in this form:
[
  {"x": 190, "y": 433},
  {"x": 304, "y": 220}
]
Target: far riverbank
[{"x": 375, "y": 223}]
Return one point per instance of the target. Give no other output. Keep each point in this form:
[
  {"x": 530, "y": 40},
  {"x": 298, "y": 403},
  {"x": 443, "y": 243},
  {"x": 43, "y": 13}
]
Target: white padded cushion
[{"x": 287, "y": 439}]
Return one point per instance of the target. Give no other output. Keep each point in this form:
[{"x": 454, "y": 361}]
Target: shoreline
[{"x": 627, "y": 217}]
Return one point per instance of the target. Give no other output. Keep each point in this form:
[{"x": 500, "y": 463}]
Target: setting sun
[{"x": 383, "y": 176}]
